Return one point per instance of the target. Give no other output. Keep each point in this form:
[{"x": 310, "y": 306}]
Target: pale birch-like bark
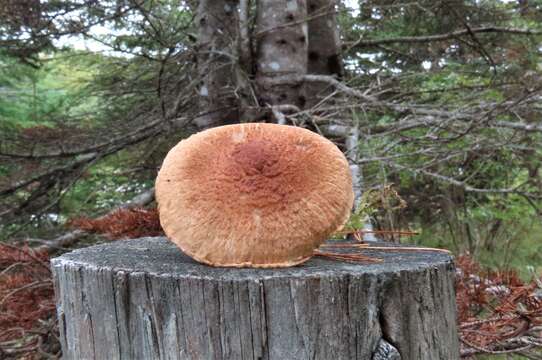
[{"x": 281, "y": 52}]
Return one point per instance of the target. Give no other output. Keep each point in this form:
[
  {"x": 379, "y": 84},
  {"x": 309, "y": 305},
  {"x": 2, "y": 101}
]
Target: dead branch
[
  {"x": 426, "y": 116},
  {"x": 72, "y": 237},
  {"x": 440, "y": 37},
  {"x": 461, "y": 184}
]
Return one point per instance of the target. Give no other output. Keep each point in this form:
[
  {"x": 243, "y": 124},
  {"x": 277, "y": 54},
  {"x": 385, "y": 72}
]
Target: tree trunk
[
  {"x": 292, "y": 38},
  {"x": 217, "y": 49},
  {"x": 144, "y": 299},
  {"x": 324, "y": 53},
  {"x": 281, "y": 56}
]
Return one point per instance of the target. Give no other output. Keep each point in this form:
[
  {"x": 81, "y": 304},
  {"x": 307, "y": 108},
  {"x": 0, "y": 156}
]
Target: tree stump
[{"x": 144, "y": 299}]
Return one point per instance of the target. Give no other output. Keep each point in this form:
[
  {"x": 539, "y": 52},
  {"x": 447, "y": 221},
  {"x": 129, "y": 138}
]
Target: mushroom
[{"x": 253, "y": 195}]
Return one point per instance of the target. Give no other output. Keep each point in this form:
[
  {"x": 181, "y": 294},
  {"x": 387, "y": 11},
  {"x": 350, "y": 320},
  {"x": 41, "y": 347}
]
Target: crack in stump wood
[{"x": 386, "y": 351}]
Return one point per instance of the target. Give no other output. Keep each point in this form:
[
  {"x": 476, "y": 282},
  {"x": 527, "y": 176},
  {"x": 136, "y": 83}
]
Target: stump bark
[{"x": 144, "y": 299}]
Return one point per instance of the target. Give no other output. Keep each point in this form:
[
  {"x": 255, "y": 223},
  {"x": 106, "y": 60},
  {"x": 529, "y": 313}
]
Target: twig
[
  {"x": 35, "y": 284},
  {"x": 72, "y": 237},
  {"x": 346, "y": 257},
  {"x": 440, "y": 37}
]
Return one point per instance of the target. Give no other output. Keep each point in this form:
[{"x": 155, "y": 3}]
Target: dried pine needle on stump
[{"x": 326, "y": 250}]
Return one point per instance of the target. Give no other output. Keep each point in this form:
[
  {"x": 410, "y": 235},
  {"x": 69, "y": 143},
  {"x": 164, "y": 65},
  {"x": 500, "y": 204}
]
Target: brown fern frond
[{"x": 26, "y": 298}]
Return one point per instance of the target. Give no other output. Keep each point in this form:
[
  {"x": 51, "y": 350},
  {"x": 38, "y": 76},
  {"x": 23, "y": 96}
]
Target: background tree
[{"x": 440, "y": 99}]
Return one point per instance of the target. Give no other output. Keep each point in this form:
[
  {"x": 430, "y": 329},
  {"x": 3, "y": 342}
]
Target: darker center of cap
[{"x": 255, "y": 156}]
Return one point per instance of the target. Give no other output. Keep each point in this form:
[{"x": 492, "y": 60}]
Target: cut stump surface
[{"x": 144, "y": 299}]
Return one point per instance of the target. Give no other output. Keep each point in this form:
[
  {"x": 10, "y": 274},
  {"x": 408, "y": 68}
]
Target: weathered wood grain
[{"x": 144, "y": 299}]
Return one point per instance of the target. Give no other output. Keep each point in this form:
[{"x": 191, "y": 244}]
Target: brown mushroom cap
[{"x": 253, "y": 195}]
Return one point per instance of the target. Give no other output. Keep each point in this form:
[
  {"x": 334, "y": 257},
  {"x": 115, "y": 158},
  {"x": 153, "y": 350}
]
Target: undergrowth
[{"x": 498, "y": 311}]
